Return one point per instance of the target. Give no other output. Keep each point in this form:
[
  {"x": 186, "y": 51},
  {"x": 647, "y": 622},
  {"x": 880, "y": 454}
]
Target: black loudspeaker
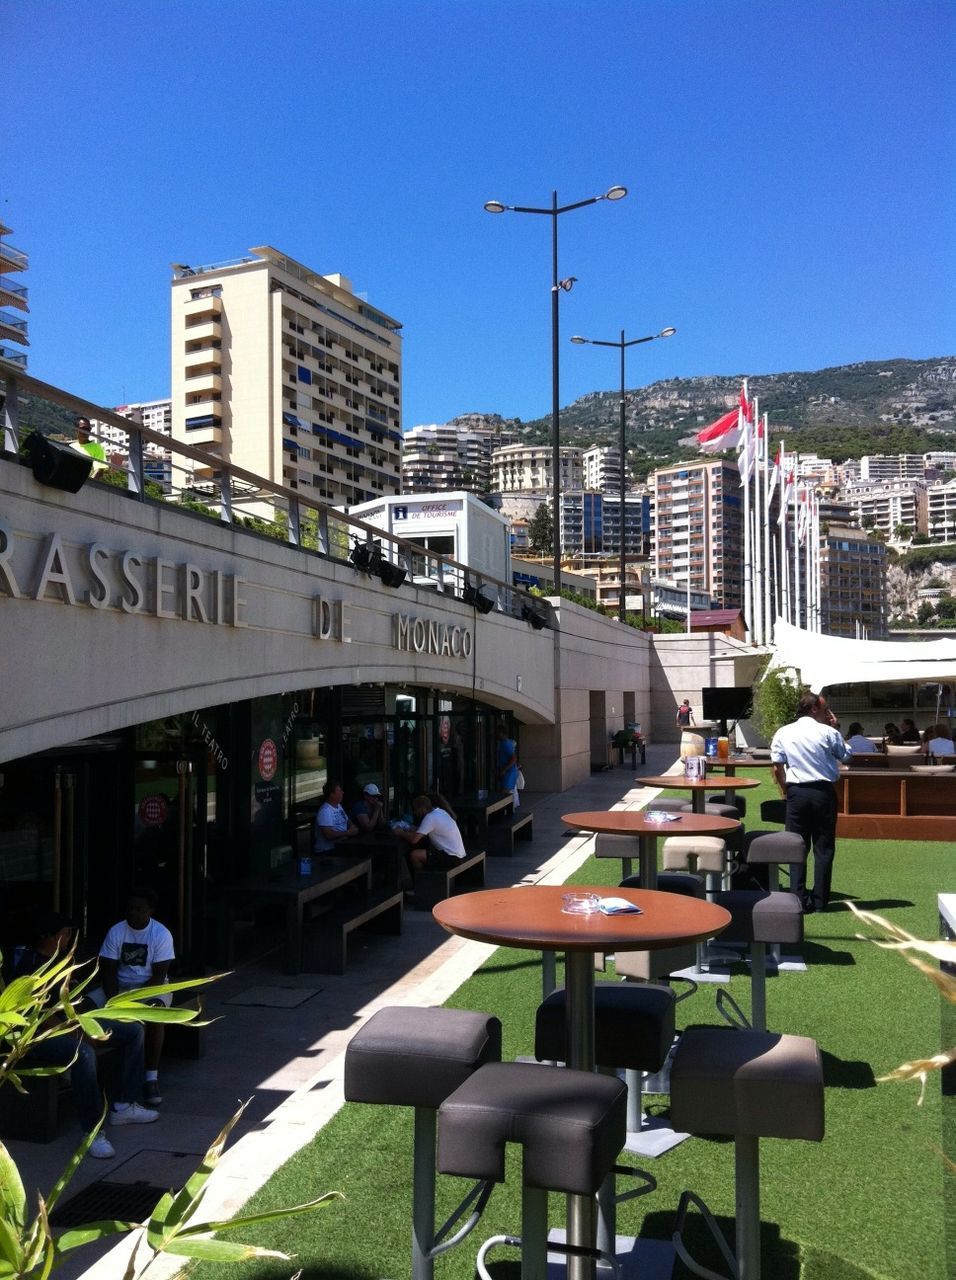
[{"x": 57, "y": 465}]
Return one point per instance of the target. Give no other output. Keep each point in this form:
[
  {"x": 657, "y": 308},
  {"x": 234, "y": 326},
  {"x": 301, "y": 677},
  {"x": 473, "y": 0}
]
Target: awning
[{"x": 828, "y": 660}]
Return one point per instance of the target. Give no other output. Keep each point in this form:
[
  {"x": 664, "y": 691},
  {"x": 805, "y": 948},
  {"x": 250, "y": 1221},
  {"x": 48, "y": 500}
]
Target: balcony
[
  {"x": 205, "y": 380},
  {"x": 13, "y": 295},
  {"x": 10, "y": 357},
  {"x": 209, "y": 305},
  {"x": 13, "y": 329},
  {"x": 12, "y": 259},
  {"x": 205, "y": 330},
  {"x": 207, "y": 360}
]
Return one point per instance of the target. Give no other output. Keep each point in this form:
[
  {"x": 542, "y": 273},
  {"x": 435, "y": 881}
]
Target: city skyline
[{"x": 788, "y": 167}]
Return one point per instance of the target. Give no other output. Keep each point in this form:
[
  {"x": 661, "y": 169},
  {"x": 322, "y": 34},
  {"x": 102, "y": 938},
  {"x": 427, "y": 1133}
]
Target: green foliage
[
  {"x": 46, "y": 1005},
  {"x": 776, "y": 695},
  {"x": 920, "y": 558},
  {"x": 541, "y": 530}
]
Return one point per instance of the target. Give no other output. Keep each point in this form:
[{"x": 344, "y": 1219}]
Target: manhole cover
[{"x": 128, "y": 1201}]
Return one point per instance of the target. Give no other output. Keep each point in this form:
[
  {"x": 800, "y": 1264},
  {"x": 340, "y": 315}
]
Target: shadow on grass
[
  {"x": 815, "y": 953},
  {"x": 781, "y": 1258},
  {"x": 838, "y": 900},
  {"x": 846, "y": 1073}
]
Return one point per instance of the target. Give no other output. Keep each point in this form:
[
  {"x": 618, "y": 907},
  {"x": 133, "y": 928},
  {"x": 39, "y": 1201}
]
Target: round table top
[
  {"x": 677, "y": 782},
  {"x": 740, "y": 762},
  {"x": 634, "y": 822},
  {"x": 530, "y": 916}
]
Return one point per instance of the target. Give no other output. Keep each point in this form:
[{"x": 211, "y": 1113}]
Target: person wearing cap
[
  {"x": 368, "y": 813},
  {"x": 72, "y": 1051}
]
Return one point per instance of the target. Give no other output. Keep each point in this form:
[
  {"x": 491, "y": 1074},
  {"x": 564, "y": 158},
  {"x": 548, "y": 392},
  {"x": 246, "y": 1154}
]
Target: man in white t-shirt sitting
[
  {"x": 435, "y": 839},
  {"x": 137, "y": 952}
]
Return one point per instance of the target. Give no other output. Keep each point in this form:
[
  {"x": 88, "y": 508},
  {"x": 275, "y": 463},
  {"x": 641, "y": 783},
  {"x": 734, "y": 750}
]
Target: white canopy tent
[{"x": 828, "y": 660}]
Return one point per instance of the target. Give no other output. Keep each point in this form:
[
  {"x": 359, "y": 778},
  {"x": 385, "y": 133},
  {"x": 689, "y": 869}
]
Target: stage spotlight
[
  {"x": 361, "y": 557},
  {"x": 535, "y": 617},
  {"x": 473, "y": 596},
  {"x": 392, "y": 575},
  {"x": 57, "y": 465}
]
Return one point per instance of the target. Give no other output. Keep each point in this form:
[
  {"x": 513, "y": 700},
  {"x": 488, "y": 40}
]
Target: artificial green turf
[{"x": 866, "y": 1202}]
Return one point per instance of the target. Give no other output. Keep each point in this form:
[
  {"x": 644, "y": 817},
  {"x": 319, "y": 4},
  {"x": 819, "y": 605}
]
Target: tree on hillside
[{"x": 541, "y": 530}]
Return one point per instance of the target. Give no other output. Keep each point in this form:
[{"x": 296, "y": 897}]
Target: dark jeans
[
  {"x": 812, "y": 814},
  {"x": 127, "y": 1085}
]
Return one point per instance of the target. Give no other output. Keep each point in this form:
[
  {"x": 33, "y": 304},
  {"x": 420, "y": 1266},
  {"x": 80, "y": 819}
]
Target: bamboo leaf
[
  {"x": 75, "y": 1237},
  {"x": 11, "y": 1247},
  {"x": 156, "y": 1226},
  {"x": 71, "y": 1168},
  {"x": 187, "y": 1201},
  {"x": 270, "y": 1216},
  {"x": 13, "y": 1198},
  {"x": 210, "y": 1250}
]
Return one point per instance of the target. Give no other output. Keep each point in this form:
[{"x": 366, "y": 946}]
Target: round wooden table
[
  {"x": 698, "y": 787},
  {"x": 627, "y": 822},
  {"x": 732, "y": 763},
  {"x": 530, "y": 917}
]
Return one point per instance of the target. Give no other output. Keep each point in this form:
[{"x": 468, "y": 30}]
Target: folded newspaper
[{"x": 617, "y": 907}]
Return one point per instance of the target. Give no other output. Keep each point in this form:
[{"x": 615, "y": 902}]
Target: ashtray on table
[{"x": 579, "y": 904}]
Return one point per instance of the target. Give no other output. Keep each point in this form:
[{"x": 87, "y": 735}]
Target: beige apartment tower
[{"x": 288, "y": 374}]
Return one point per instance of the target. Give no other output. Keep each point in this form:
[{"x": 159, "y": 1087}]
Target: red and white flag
[
  {"x": 723, "y": 434},
  {"x": 746, "y": 408},
  {"x": 747, "y": 451},
  {"x": 774, "y": 477}
]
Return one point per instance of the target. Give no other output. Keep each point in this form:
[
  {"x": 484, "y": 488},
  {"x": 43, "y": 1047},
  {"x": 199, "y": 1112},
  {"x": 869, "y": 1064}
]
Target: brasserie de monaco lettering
[
  {"x": 100, "y": 577},
  {"x": 416, "y": 635}
]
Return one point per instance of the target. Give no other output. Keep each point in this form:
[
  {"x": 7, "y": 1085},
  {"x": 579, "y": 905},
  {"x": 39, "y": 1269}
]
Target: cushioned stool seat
[
  {"x": 652, "y": 966},
  {"x": 570, "y": 1126},
  {"x": 773, "y": 811},
  {"x": 633, "y": 1026},
  {"x": 774, "y": 849},
  {"x": 747, "y": 1085},
  {"x": 698, "y": 853},
  {"x": 413, "y": 1057},
  {"x": 759, "y": 919},
  {"x": 569, "y": 1123}
]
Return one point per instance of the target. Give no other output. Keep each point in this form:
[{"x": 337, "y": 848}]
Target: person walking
[
  {"x": 806, "y": 757},
  {"x": 685, "y": 715}
]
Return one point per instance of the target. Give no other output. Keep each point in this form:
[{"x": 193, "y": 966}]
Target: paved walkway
[{"x": 278, "y": 1040}]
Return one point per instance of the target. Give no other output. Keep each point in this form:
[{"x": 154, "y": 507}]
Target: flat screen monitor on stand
[{"x": 727, "y": 703}]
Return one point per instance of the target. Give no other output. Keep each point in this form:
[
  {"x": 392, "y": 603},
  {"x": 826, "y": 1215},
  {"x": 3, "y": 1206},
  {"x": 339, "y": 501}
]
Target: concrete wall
[{"x": 682, "y": 665}]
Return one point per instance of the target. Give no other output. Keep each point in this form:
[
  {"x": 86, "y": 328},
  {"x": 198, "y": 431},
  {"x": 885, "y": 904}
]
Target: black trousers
[{"x": 812, "y": 814}]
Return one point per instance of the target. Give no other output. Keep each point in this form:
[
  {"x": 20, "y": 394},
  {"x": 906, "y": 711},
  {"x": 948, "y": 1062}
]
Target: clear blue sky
[{"x": 790, "y": 167}]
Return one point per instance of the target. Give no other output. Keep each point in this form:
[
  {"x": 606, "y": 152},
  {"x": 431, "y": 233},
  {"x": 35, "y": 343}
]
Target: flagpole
[
  {"x": 783, "y": 569},
  {"x": 747, "y": 592},
  {"x": 818, "y": 557},
  {"x": 768, "y": 578},
  {"x": 796, "y": 542},
  {"x": 753, "y": 461}
]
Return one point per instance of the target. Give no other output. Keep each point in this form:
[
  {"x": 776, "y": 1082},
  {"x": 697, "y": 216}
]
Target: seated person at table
[
  {"x": 858, "y": 743},
  {"x": 940, "y": 741},
  {"x": 137, "y": 952},
  {"x": 435, "y": 839},
  {"x": 332, "y": 825},
  {"x": 909, "y": 734},
  {"x": 51, "y": 937},
  {"x": 892, "y": 735},
  {"x": 368, "y": 814}
]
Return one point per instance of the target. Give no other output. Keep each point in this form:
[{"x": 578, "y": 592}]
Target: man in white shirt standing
[
  {"x": 137, "y": 952},
  {"x": 806, "y": 756}
]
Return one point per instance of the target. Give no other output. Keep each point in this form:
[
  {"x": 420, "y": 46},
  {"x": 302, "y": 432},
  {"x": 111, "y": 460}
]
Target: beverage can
[
  {"x": 305, "y": 865},
  {"x": 710, "y": 747}
]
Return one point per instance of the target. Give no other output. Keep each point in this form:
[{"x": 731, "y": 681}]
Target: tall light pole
[
  {"x": 557, "y": 286},
  {"x": 622, "y": 344}
]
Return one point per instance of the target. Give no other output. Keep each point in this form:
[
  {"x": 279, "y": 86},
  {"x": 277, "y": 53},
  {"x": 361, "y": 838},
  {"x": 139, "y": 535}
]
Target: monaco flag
[{"x": 720, "y": 435}]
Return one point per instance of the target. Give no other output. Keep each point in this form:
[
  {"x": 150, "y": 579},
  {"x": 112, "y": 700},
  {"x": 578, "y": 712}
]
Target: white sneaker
[
  {"x": 133, "y": 1114},
  {"x": 101, "y": 1148}
]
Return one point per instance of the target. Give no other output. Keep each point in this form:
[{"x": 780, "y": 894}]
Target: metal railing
[{"x": 209, "y": 486}]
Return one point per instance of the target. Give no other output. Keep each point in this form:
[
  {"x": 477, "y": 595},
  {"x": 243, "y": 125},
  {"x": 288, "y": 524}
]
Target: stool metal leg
[
  {"x": 747, "y": 1177},
  {"x": 758, "y": 986},
  {"x": 534, "y": 1233},
  {"x": 423, "y": 1194}
]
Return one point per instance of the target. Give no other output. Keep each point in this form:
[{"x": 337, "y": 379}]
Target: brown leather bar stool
[{"x": 746, "y": 1085}]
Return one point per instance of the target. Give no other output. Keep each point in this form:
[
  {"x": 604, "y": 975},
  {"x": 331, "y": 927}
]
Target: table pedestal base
[{"x": 637, "y": 1259}]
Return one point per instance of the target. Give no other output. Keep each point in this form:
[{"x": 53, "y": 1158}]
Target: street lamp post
[
  {"x": 557, "y": 286},
  {"x": 622, "y": 344}
]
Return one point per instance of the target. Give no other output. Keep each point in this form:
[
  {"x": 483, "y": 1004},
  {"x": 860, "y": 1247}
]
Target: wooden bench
[
  {"x": 325, "y": 940},
  {"x": 186, "y": 1039},
  {"x": 503, "y": 833},
  {"x": 34, "y": 1116},
  {"x": 436, "y": 884}
]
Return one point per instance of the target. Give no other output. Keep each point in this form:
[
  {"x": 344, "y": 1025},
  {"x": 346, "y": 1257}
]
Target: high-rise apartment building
[
  {"x": 289, "y": 374},
  {"x": 852, "y": 583},
  {"x": 698, "y": 521},
  {"x": 941, "y": 511},
  {"x": 892, "y": 466},
  {"x": 888, "y": 505},
  {"x": 13, "y": 328},
  {"x": 524, "y": 468},
  {"x": 440, "y": 457},
  {"x": 601, "y": 468}
]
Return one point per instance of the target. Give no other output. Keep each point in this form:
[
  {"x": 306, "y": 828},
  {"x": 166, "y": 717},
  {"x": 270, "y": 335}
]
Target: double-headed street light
[
  {"x": 622, "y": 344},
  {"x": 557, "y": 286}
]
